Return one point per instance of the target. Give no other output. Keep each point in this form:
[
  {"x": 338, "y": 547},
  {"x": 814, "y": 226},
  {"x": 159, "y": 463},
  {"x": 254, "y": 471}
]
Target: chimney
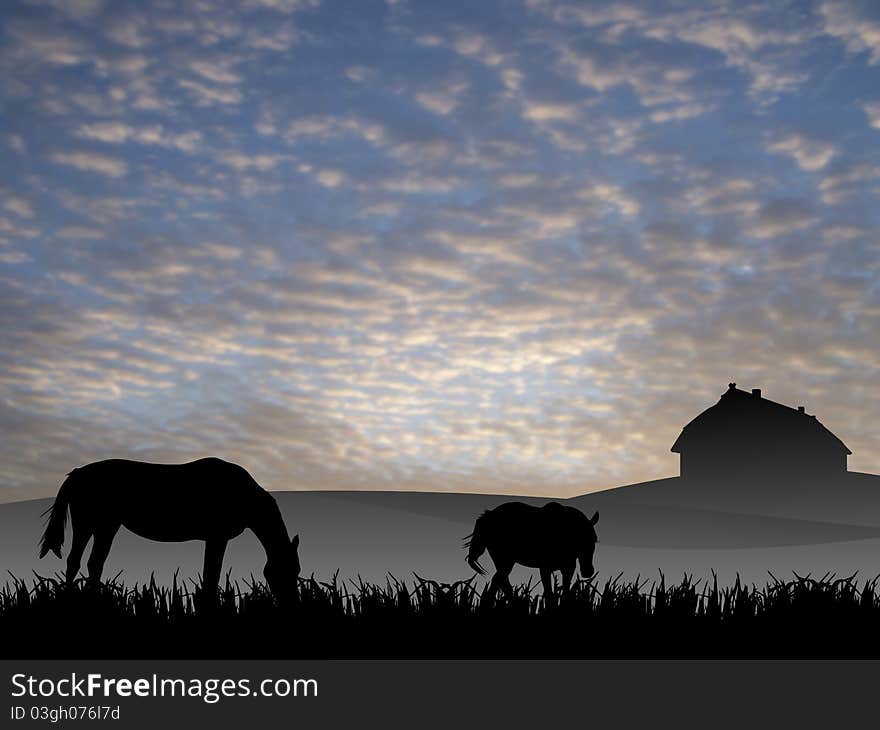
[
  {"x": 756, "y": 392},
  {"x": 801, "y": 410}
]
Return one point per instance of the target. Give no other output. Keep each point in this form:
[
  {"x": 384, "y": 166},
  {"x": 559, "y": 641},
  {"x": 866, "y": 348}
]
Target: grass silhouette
[{"x": 802, "y": 617}]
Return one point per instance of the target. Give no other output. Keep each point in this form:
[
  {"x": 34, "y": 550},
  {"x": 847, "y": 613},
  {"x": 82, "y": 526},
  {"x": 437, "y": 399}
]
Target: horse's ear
[
  {"x": 594, "y": 519},
  {"x": 295, "y": 542}
]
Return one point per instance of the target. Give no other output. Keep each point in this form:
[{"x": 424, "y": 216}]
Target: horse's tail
[
  {"x": 476, "y": 543},
  {"x": 53, "y": 535}
]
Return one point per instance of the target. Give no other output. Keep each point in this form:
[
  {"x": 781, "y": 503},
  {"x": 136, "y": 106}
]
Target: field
[{"x": 801, "y": 617}]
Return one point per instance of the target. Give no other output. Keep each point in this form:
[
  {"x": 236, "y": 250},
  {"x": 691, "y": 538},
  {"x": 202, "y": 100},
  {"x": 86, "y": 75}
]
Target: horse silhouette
[
  {"x": 550, "y": 538},
  {"x": 209, "y": 499}
]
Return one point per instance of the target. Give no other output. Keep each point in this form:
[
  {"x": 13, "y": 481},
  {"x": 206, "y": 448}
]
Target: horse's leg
[
  {"x": 494, "y": 585},
  {"x": 505, "y": 585},
  {"x": 501, "y": 579},
  {"x": 567, "y": 575},
  {"x": 547, "y": 582},
  {"x": 78, "y": 542},
  {"x": 214, "y": 550},
  {"x": 100, "y": 550}
]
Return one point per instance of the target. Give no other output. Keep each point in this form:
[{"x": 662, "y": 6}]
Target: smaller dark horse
[
  {"x": 209, "y": 499},
  {"x": 552, "y": 537}
]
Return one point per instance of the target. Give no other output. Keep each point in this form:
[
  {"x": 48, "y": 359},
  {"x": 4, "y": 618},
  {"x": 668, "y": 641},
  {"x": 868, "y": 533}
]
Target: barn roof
[{"x": 738, "y": 410}]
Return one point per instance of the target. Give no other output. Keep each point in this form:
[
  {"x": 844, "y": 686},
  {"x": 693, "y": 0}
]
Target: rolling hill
[{"x": 669, "y": 525}]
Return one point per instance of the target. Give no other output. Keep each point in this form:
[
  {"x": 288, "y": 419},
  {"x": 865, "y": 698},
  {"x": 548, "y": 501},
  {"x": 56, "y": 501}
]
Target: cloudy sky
[{"x": 496, "y": 246}]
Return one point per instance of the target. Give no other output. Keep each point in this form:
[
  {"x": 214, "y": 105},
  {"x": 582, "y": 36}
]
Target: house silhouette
[{"x": 746, "y": 437}]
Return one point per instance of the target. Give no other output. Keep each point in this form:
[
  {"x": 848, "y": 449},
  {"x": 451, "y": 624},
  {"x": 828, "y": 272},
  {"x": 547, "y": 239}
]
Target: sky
[{"x": 494, "y": 247}]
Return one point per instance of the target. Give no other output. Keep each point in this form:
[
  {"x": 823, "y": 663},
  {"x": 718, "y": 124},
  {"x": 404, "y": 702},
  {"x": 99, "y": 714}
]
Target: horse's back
[
  {"x": 169, "y": 501},
  {"x": 535, "y": 536},
  {"x": 121, "y": 473},
  {"x": 521, "y": 513},
  {"x": 563, "y": 516},
  {"x": 514, "y": 511}
]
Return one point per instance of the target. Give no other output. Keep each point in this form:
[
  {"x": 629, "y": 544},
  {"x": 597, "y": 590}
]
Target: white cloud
[
  {"x": 131, "y": 31},
  {"x": 210, "y": 95},
  {"x": 809, "y": 154},
  {"x": 681, "y": 112},
  {"x": 217, "y": 72},
  {"x": 17, "y": 144},
  {"x": 605, "y": 194},
  {"x": 782, "y": 216},
  {"x": 80, "y": 233},
  {"x": 477, "y": 46},
  {"x": 872, "y": 109},
  {"x": 387, "y": 208},
  {"x": 518, "y": 180},
  {"x": 42, "y": 43},
  {"x": 18, "y": 205},
  {"x": 327, "y": 127},
  {"x": 283, "y": 6},
  {"x": 745, "y": 40},
  {"x": 279, "y": 39},
  {"x": 241, "y": 161},
  {"x": 330, "y": 178},
  {"x": 418, "y": 182},
  {"x": 439, "y": 102},
  {"x": 515, "y": 278},
  {"x": 358, "y": 74},
  {"x": 859, "y": 32},
  {"x": 845, "y": 180},
  {"x": 92, "y": 162},
  {"x": 120, "y": 132},
  {"x": 76, "y": 9},
  {"x": 545, "y": 112}
]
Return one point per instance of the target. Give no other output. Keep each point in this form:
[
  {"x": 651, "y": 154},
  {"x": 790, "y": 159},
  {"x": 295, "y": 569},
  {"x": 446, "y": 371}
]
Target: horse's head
[
  {"x": 588, "y": 547},
  {"x": 282, "y": 568}
]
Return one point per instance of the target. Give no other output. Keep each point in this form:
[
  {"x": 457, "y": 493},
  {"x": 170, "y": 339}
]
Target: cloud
[
  {"x": 358, "y": 74},
  {"x": 279, "y": 39},
  {"x": 18, "y": 205},
  {"x": 79, "y": 10},
  {"x": 80, "y": 232},
  {"x": 219, "y": 73},
  {"x": 241, "y": 161},
  {"x": 846, "y": 179},
  {"x": 855, "y": 23},
  {"x": 763, "y": 49},
  {"x": 550, "y": 112},
  {"x": 206, "y": 95},
  {"x": 46, "y": 44},
  {"x": 609, "y": 194},
  {"x": 283, "y": 6},
  {"x": 92, "y": 162},
  {"x": 872, "y": 109},
  {"x": 477, "y": 46},
  {"x": 327, "y": 127},
  {"x": 119, "y": 132},
  {"x": 17, "y": 144},
  {"x": 330, "y": 178},
  {"x": 781, "y": 216},
  {"x": 809, "y": 154},
  {"x": 439, "y": 102},
  {"x": 131, "y": 31},
  {"x": 680, "y": 113},
  {"x": 429, "y": 247}
]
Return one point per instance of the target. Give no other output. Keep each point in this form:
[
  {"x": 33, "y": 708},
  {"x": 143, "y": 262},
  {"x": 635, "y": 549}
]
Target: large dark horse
[
  {"x": 552, "y": 537},
  {"x": 209, "y": 499}
]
